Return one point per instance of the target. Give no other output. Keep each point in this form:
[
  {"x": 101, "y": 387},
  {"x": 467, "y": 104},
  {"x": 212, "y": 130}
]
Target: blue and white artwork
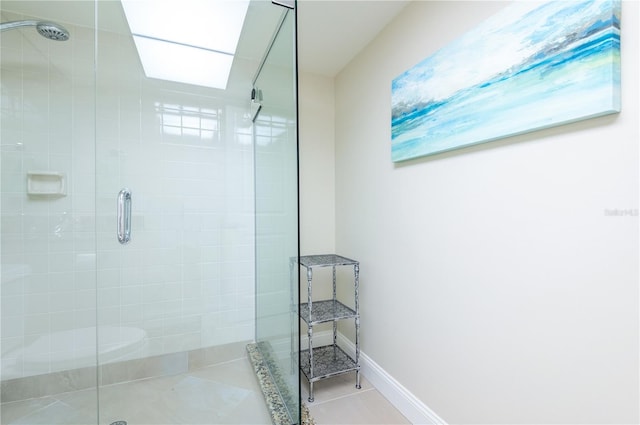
[{"x": 531, "y": 66}]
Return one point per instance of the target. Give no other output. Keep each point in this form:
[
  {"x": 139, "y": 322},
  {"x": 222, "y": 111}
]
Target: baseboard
[{"x": 401, "y": 398}]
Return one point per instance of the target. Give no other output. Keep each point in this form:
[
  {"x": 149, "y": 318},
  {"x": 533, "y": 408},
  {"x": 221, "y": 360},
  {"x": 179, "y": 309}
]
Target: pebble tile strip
[{"x": 275, "y": 403}]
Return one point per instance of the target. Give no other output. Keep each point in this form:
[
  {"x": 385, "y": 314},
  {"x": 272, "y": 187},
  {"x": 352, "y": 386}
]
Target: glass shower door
[
  {"x": 175, "y": 222},
  {"x": 175, "y": 231},
  {"x": 276, "y": 185}
]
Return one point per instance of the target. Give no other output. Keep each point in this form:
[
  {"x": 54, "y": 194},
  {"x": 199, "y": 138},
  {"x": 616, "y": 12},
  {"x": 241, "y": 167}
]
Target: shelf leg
[
  {"x": 293, "y": 307},
  {"x": 334, "y": 284},
  {"x": 310, "y": 334},
  {"x": 335, "y": 322},
  {"x": 309, "y": 302},
  {"x": 356, "y": 272},
  {"x": 335, "y": 337},
  {"x": 358, "y": 386},
  {"x": 311, "y": 375}
]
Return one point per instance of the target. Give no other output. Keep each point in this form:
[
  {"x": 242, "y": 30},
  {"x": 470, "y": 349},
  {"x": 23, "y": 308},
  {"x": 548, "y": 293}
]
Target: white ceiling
[{"x": 331, "y": 32}]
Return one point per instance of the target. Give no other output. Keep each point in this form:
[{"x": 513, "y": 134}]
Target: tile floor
[
  {"x": 227, "y": 393},
  {"x": 338, "y": 401}
]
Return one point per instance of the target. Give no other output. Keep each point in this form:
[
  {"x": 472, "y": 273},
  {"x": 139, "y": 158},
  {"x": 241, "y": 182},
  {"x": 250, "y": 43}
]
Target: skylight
[{"x": 189, "y": 41}]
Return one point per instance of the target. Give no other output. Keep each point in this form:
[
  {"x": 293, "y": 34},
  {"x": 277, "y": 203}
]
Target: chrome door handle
[{"x": 124, "y": 216}]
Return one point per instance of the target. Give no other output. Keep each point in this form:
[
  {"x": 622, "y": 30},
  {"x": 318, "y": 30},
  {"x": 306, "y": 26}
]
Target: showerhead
[
  {"x": 49, "y": 30},
  {"x": 52, "y": 31}
]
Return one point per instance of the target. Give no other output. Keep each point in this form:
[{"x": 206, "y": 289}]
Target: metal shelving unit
[{"x": 324, "y": 362}]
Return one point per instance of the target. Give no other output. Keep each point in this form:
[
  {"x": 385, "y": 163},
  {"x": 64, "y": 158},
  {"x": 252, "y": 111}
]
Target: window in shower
[{"x": 192, "y": 125}]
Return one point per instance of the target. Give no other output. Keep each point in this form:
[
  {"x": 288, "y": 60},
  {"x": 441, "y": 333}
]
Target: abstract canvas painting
[{"x": 531, "y": 66}]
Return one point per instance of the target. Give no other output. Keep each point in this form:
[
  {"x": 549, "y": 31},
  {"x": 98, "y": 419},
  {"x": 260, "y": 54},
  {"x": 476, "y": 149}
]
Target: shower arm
[
  {"x": 49, "y": 30},
  {"x": 5, "y": 26}
]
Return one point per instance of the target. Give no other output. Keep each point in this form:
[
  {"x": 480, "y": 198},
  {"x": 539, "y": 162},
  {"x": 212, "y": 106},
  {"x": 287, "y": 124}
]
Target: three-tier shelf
[{"x": 327, "y": 361}]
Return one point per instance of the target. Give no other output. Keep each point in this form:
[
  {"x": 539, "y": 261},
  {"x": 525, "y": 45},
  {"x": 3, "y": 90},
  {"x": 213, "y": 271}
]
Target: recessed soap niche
[{"x": 46, "y": 184}]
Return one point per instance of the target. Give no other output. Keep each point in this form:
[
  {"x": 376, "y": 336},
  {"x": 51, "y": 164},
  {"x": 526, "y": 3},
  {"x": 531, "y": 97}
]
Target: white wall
[
  {"x": 317, "y": 178},
  {"x": 317, "y": 164},
  {"x": 495, "y": 286}
]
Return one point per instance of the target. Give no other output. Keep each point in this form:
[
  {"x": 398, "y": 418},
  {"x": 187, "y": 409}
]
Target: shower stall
[{"x": 149, "y": 221}]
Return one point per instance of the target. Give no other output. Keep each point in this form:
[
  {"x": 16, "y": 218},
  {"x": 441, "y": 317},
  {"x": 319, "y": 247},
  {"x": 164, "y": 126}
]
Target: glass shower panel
[
  {"x": 47, "y": 250},
  {"x": 80, "y": 122},
  {"x": 276, "y": 175}
]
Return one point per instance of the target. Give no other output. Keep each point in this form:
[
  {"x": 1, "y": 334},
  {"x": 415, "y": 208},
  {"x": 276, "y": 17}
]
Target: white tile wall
[{"x": 187, "y": 276}]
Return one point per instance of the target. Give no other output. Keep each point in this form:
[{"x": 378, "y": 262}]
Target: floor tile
[
  {"x": 226, "y": 393},
  {"x": 223, "y": 394},
  {"x": 13, "y": 411},
  {"x": 233, "y": 373},
  {"x": 56, "y": 413},
  {"x": 337, "y": 386},
  {"x": 184, "y": 399},
  {"x": 338, "y": 401},
  {"x": 366, "y": 407}
]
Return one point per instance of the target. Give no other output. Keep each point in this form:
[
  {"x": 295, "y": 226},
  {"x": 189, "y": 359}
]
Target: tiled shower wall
[{"x": 187, "y": 276}]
